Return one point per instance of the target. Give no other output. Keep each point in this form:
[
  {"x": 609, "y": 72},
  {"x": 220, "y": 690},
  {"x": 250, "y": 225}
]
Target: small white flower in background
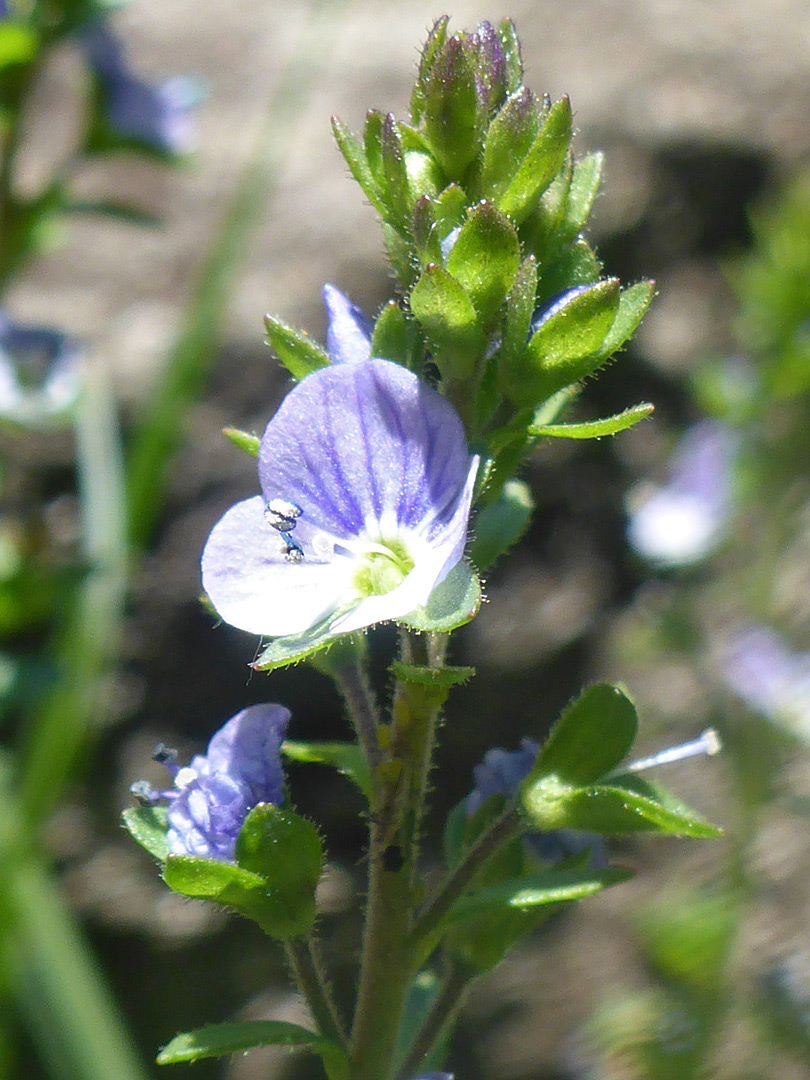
[{"x": 683, "y": 521}]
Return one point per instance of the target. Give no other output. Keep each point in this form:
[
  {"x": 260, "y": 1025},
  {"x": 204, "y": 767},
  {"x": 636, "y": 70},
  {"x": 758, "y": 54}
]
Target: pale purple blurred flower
[
  {"x": 348, "y": 337},
  {"x": 157, "y": 116},
  {"x": 682, "y": 522},
  {"x": 434, "y": 1076},
  {"x": 213, "y": 795},
  {"x": 760, "y": 668},
  {"x": 501, "y": 773},
  {"x": 3, "y": 9},
  {"x": 40, "y": 374},
  {"x": 366, "y": 488}
]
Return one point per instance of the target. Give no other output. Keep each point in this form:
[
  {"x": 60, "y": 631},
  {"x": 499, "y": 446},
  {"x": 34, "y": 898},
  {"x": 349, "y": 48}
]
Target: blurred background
[{"x": 701, "y": 966}]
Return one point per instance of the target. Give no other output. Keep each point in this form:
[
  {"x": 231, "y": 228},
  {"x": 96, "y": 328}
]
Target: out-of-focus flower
[
  {"x": 681, "y": 522},
  {"x": 501, "y": 773},
  {"x": 40, "y": 374},
  {"x": 348, "y": 336},
  {"x": 434, "y": 1076},
  {"x": 156, "y": 116},
  {"x": 213, "y": 795},
  {"x": 366, "y": 489},
  {"x": 760, "y": 668}
]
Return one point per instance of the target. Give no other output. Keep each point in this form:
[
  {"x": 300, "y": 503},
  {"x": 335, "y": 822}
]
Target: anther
[
  {"x": 143, "y": 791},
  {"x": 164, "y": 755},
  {"x": 282, "y": 514}
]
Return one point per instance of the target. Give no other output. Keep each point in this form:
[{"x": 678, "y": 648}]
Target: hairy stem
[
  {"x": 353, "y": 682},
  {"x": 388, "y": 961},
  {"x": 429, "y": 920},
  {"x": 307, "y": 969},
  {"x": 442, "y": 1014}
]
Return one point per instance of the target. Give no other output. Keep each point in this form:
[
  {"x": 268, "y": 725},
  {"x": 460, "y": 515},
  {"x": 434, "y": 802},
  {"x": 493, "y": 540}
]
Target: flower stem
[
  {"x": 307, "y": 969},
  {"x": 386, "y": 970},
  {"x": 388, "y": 961},
  {"x": 479, "y": 853},
  {"x": 353, "y": 682},
  {"x": 443, "y": 1011}
]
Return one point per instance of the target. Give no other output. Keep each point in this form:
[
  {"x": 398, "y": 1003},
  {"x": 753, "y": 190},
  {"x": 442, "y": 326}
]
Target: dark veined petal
[{"x": 354, "y": 444}]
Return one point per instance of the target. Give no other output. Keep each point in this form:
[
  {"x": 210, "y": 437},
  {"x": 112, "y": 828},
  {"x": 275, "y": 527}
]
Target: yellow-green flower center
[{"x": 384, "y": 566}]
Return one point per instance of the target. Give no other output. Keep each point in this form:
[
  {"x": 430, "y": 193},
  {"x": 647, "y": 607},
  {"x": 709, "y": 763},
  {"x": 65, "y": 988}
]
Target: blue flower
[
  {"x": 214, "y": 794},
  {"x": 683, "y": 521},
  {"x": 501, "y": 773},
  {"x": 156, "y": 116},
  {"x": 40, "y": 377},
  {"x": 348, "y": 336},
  {"x": 366, "y": 488}
]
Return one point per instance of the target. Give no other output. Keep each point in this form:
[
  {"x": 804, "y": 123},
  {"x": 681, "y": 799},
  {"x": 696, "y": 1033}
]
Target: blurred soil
[{"x": 700, "y": 106}]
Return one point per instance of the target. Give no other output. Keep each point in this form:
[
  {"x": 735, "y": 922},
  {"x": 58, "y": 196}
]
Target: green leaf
[
  {"x": 427, "y": 676},
  {"x": 450, "y": 209},
  {"x": 395, "y": 176},
  {"x": 509, "y": 138},
  {"x": 586, "y": 178},
  {"x": 395, "y": 336},
  {"x": 565, "y": 346},
  {"x": 633, "y": 304},
  {"x": 519, "y": 310},
  {"x": 18, "y": 43},
  {"x": 595, "y": 429},
  {"x": 219, "y": 1039},
  {"x": 511, "y": 48},
  {"x": 540, "y": 165},
  {"x": 485, "y": 259},
  {"x": 577, "y": 265},
  {"x": 355, "y": 158},
  {"x": 283, "y": 651},
  {"x": 537, "y": 890},
  {"x": 501, "y": 523},
  {"x": 346, "y": 757},
  {"x": 226, "y": 884},
  {"x": 285, "y": 850},
  {"x": 435, "y": 40},
  {"x": 421, "y": 996},
  {"x": 612, "y": 809},
  {"x": 449, "y": 319},
  {"x": 454, "y": 602},
  {"x": 297, "y": 351},
  {"x": 148, "y": 826},
  {"x": 249, "y": 443},
  {"x": 592, "y": 736}
]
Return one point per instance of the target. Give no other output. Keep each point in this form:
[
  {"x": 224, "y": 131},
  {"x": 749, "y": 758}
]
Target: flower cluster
[{"x": 213, "y": 795}]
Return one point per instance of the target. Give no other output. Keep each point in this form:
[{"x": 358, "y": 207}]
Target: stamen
[
  {"x": 282, "y": 514},
  {"x": 292, "y": 549},
  {"x": 144, "y": 793},
  {"x": 164, "y": 755},
  {"x": 708, "y": 743}
]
